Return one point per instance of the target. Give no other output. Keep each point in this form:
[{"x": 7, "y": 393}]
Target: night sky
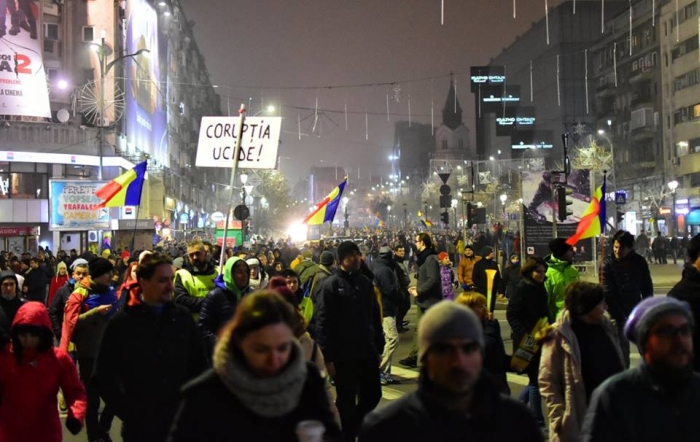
[{"x": 288, "y": 53}]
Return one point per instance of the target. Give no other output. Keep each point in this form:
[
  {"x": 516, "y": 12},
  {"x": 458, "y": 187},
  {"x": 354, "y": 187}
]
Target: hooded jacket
[
  {"x": 559, "y": 275},
  {"x": 220, "y": 304},
  {"x": 10, "y": 306},
  {"x": 688, "y": 290},
  {"x": 429, "y": 285},
  {"x": 388, "y": 284},
  {"x": 306, "y": 269},
  {"x": 626, "y": 282},
  {"x": 29, "y": 408}
]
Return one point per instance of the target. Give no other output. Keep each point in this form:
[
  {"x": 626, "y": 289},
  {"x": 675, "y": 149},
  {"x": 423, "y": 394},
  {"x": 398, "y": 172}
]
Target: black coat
[
  {"x": 217, "y": 309},
  {"x": 496, "y": 361},
  {"x": 10, "y": 307},
  {"x": 631, "y": 407},
  {"x": 626, "y": 282},
  {"x": 511, "y": 278},
  {"x": 525, "y": 308},
  {"x": 209, "y": 412},
  {"x": 480, "y": 280},
  {"x": 143, "y": 362},
  {"x": 688, "y": 290},
  {"x": 348, "y": 323},
  {"x": 35, "y": 281},
  {"x": 58, "y": 306},
  {"x": 419, "y": 417},
  {"x": 429, "y": 285},
  {"x": 388, "y": 284}
]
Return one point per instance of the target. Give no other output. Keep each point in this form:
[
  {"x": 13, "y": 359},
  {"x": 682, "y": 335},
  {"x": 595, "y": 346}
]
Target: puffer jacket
[
  {"x": 559, "y": 275},
  {"x": 626, "y": 282},
  {"x": 466, "y": 269},
  {"x": 561, "y": 379},
  {"x": 688, "y": 290},
  {"x": 429, "y": 286},
  {"x": 388, "y": 284},
  {"x": 306, "y": 269},
  {"x": 220, "y": 304}
]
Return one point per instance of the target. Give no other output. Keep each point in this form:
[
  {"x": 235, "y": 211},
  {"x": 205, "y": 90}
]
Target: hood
[
  {"x": 34, "y": 314},
  {"x": 556, "y": 263},
  {"x": 225, "y": 279},
  {"x": 8, "y": 274}
]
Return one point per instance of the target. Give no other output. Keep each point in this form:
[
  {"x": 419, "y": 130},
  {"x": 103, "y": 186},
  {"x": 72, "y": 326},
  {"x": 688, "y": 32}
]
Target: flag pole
[
  {"x": 133, "y": 232},
  {"x": 234, "y": 167}
]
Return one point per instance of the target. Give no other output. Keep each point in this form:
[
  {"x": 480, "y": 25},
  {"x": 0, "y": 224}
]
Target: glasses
[{"x": 670, "y": 331}]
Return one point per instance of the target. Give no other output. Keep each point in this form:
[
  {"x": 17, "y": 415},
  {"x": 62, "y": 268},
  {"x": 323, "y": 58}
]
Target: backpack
[{"x": 306, "y": 305}]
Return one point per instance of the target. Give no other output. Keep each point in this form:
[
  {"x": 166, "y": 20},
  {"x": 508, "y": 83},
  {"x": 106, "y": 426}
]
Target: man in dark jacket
[
  {"x": 427, "y": 293},
  {"x": 404, "y": 282},
  {"x": 349, "y": 331},
  {"x": 658, "y": 400},
  {"x": 688, "y": 290},
  {"x": 149, "y": 350},
  {"x": 455, "y": 400},
  {"x": 79, "y": 268},
  {"x": 35, "y": 282},
  {"x": 480, "y": 277},
  {"x": 388, "y": 285},
  {"x": 626, "y": 281}
]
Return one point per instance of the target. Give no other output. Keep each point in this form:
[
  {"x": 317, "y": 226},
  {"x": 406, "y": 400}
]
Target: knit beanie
[
  {"x": 442, "y": 255},
  {"x": 345, "y": 248},
  {"x": 649, "y": 312},
  {"x": 468, "y": 246},
  {"x": 78, "y": 262},
  {"x": 279, "y": 285},
  {"x": 582, "y": 297},
  {"x": 486, "y": 251},
  {"x": 558, "y": 247},
  {"x": 307, "y": 254},
  {"x": 385, "y": 251},
  {"x": 327, "y": 259},
  {"x": 61, "y": 265},
  {"x": 252, "y": 262},
  {"x": 448, "y": 320},
  {"x": 99, "y": 266}
]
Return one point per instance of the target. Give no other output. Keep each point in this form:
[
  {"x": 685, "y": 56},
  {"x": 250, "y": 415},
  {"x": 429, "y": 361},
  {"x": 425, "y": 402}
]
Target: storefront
[
  {"x": 136, "y": 233},
  {"x": 19, "y": 239}
]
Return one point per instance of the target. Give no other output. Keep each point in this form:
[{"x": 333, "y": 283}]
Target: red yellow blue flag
[
  {"x": 592, "y": 222},
  {"x": 124, "y": 190},
  {"x": 325, "y": 210}
]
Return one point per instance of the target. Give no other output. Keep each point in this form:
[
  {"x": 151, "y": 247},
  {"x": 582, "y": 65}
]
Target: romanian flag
[
  {"x": 124, "y": 190},
  {"x": 325, "y": 210},
  {"x": 427, "y": 223},
  {"x": 593, "y": 220}
]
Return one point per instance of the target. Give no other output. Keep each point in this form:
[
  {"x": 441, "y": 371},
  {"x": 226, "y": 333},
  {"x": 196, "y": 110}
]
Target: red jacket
[
  {"x": 56, "y": 283},
  {"x": 29, "y": 409}
]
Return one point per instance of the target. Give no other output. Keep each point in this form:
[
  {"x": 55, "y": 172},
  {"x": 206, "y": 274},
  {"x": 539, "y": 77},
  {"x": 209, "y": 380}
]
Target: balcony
[
  {"x": 641, "y": 76},
  {"x": 605, "y": 90},
  {"x": 644, "y": 101},
  {"x": 689, "y": 164},
  {"x": 642, "y": 133}
]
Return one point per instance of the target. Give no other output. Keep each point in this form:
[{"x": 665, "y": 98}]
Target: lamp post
[
  {"x": 104, "y": 70},
  {"x": 388, "y": 215},
  {"x": 673, "y": 185},
  {"x": 346, "y": 224}
]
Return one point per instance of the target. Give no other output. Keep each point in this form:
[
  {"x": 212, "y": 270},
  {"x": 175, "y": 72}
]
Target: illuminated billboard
[
  {"x": 487, "y": 76},
  {"x": 23, "y": 90},
  {"x": 146, "y": 104}
]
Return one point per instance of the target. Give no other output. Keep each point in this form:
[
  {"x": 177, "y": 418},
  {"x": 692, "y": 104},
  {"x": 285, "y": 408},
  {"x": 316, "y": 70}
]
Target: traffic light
[
  {"x": 470, "y": 215},
  {"x": 620, "y": 216},
  {"x": 445, "y": 218},
  {"x": 563, "y": 203}
]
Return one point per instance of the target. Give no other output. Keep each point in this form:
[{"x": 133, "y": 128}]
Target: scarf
[
  {"x": 266, "y": 397},
  {"x": 422, "y": 256},
  {"x": 106, "y": 298}
]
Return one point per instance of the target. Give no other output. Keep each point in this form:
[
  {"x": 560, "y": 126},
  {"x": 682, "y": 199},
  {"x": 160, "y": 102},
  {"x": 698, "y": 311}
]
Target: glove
[{"x": 73, "y": 425}]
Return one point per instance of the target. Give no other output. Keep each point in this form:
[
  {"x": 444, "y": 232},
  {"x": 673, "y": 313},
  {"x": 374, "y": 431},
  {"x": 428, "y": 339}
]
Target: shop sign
[
  {"x": 18, "y": 231},
  {"x": 135, "y": 224}
]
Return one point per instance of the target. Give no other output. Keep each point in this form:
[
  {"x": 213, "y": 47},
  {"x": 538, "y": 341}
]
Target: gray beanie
[
  {"x": 448, "y": 320},
  {"x": 649, "y": 312},
  {"x": 327, "y": 259}
]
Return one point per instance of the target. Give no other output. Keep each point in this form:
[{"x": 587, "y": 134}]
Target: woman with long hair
[
  {"x": 57, "y": 281},
  {"x": 129, "y": 282},
  {"x": 261, "y": 382},
  {"x": 31, "y": 373}
]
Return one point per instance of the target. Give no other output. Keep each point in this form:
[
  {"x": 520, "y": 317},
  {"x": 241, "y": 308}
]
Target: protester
[
  {"x": 349, "y": 331},
  {"x": 10, "y": 301},
  {"x": 404, "y": 283},
  {"x": 658, "y": 400},
  {"x": 258, "y": 277},
  {"x": 387, "y": 283},
  {"x": 35, "y": 282},
  {"x": 196, "y": 278},
  {"x": 57, "y": 281},
  {"x": 481, "y": 278},
  {"x": 79, "y": 269},
  {"x": 466, "y": 268},
  {"x": 560, "y": 273},
  {"x": 149, "y": 350},
  {"x": 511, "y": 275},
  {"x": 31, "y": 373},
  {"x": 261, "y": 383},
  {"x": 581, "y": 351},
  {"x": 455, "y": 400},
  {"x": 447, "y": 276}
]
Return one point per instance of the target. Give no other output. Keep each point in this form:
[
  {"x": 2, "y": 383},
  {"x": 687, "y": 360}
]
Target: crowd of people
[{"x": 283, "y": 343}]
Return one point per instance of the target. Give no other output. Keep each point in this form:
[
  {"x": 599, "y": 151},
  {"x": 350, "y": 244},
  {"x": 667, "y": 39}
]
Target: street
[{"x": 664, "y": 277}]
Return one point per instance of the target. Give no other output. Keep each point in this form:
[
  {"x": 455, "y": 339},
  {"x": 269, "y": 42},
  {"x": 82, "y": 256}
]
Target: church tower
[{"x": 452, "y": 137}]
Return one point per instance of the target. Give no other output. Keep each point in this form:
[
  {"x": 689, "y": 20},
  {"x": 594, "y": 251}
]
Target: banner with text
[
  {"x": 539, "y": 205},
  {"x": 74, "y": 206},
  {"x": 259, "y": 144},
  {"x": 23, "y": 90}
]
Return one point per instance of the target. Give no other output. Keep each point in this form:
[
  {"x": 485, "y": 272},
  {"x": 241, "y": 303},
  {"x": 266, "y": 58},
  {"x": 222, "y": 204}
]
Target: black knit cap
[
  {"x": 558, "y": 246},
  {"x": 345, "y": 248},
  {"x": 99, "y": 266}
]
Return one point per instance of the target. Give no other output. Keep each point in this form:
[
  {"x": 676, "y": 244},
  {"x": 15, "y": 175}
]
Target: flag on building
[
  {"x": 592, "y": 222},
  {"x": 325, "y": 210},
  {"x": 124, "y": 190}
]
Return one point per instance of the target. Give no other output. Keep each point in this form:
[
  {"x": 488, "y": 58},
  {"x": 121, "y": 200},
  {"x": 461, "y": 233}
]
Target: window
[
  {"x": 52, "y": 74},
  {"x": 51, "y": 31},
  {"x": 88, "y": 75},
  {"x": 461, "y": 143},
  {"x": 444, "y": 144},
  {"x": 88, "y": 34}
]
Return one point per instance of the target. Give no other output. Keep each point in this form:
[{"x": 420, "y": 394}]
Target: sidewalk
[{"x": 662, "y": 275}]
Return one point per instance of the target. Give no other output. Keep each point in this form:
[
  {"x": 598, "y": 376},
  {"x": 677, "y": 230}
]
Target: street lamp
[
  {"x": 104, "y": 70},
  {"x": 504, "y": 198},
  {"x": 346, "y": 224},
  {"x": 388, "y": 215},
  {"x": 673, "y": 185}
]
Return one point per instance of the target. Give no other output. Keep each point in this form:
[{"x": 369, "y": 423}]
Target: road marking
[
  {"x": 404, "y": 373},
  {"x": 391, "y": 394}
]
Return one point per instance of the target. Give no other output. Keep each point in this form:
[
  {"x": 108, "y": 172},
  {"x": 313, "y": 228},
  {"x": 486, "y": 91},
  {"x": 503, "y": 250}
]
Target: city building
[
  {"x": 628, "y": 93},
  {"x": 680, "y": 73},
  {"x": 126, "y": 82}
]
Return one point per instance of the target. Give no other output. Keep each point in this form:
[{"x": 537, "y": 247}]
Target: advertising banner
[
  {"x": 146, "y": 104},
  {"x": 539, "y": 205},
  {"x": 23, "y": 90},
  {"x": 74, "y": 206},
  {"x": 259, "y": 144}
]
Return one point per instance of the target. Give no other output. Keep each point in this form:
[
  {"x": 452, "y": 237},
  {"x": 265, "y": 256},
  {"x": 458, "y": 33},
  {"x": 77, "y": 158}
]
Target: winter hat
[
  {"x": 307, "y": 254},
  {"x": 345, "y": 248},
  {"x": 99, "y": 266},
  {"x": 448, "y": 320},
  {"x": 442, "y": 255},
  {"x": 279, "y": 285},
  {"x": 558, "y": 247},
  {"x": 468, "y": 246},
  {"x": 252, "y": 262},
  {"x": 61, "y": 265},
  {"x": 179, "y": 262},
  {"x": 106, "y": 253},
  {"x": 582, "y": 297},
  {"x": 649, "y": 312},
  {"x": 327, "y": 259},
  {"x": 385, "y": 250},
  {"x": 78, "y": 262},
  {"x": 125, "y": 254},
  {"x": 487, "y": 250}
]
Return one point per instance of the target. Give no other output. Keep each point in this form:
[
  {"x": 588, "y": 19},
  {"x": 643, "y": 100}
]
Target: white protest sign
[{"x": 217, "y": 141}]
